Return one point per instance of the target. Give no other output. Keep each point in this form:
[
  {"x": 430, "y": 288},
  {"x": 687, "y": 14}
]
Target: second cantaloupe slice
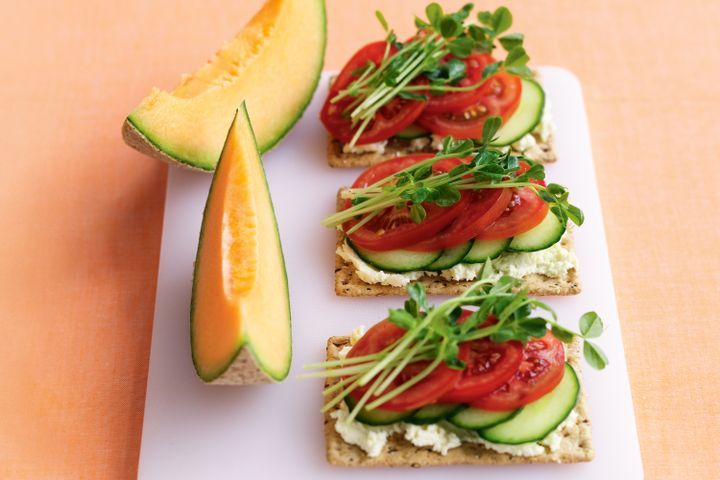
[{"x": 240, "y": 313}]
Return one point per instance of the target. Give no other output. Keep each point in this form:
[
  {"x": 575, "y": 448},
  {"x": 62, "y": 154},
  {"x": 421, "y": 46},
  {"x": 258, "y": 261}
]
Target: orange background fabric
[{"x": 81, "y": 212}]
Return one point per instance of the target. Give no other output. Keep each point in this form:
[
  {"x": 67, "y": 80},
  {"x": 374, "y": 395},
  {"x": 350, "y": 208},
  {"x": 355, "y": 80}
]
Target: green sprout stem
[
  {"x": 402, "y": 364},
  {"x": 441, "y": 36},
  {"x": 434, "y": 330},
  {"x": 410, "y": 383},
  {"x": 339, "y": 384},
  {"x": 366, "y": 396}
]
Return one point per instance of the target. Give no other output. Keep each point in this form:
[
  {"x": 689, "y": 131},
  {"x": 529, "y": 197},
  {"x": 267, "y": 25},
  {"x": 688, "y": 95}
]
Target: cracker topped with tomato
[
  {"x": 438, "y": 218},
  {"x": 478, "y": 379},
  {"x": 395, "y": 97}
]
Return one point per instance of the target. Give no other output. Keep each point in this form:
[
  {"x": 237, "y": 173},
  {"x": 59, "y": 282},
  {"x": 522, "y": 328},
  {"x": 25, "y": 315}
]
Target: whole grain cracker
[
  {"x": 542, "y": 152},
  {"x": 349, "y": 284},
  {"x": 576, "y": 445}
]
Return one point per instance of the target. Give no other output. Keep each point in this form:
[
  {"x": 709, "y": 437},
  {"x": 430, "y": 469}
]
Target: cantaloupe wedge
[
  {"x": 240, "y": 313},
  {"x": 273, "y": 64}
]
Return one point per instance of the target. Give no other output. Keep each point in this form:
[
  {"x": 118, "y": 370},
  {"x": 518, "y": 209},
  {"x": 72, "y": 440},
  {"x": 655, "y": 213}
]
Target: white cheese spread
[
  {"x": 555, "y": 438},
  {"x": 439, "y": 437},
  {"x": 355, "y": 336},
  {"x": 555, "y": 261},
  {"x": 547, "y": 126},
  {"x": 371, "y": 439},
  {"x": 525, "y": 143},
  {"x": 419, "y": 143},
  {"x": 542, "y": 132},
  {"x": 437, "y": 142},
  {"x": 343, "y": 352},
  {"x": 377, "y": 147}
]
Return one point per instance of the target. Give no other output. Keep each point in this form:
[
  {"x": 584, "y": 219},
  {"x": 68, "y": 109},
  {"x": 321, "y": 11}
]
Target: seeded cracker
[
  {"x": 542, "y": 152},
  {"x": 348, "y": 284},
  {"x": 575, "y": 447}
]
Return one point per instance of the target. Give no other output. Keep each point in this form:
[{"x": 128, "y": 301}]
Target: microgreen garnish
[
  {"x": 438, "y": 35},
  {"x": 488, "y": 168},
  {"x": 433, "y": 334}
]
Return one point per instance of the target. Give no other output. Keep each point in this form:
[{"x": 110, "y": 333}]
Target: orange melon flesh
[
  {"x": 232, "y": 58},
  {"x": 273, "y": 65},
  {"x": 240, "y": 297}
]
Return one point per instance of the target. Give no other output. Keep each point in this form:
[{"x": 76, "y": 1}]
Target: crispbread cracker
[
  {"x": 576, "y": 445},
  {"x": 542, "y": 152},
  {"x": 349, "y": 284}
]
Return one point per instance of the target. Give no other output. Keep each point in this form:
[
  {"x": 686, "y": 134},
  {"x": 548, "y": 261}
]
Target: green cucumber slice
[
  {"x": 482, "y": 250},
  {"x": 544, "y": 235},
  {"x": 539, "y": 418},
  {"x": 435, "y": 413},
  {"x": 476, "y": 418},
  {"x": 526, "y": 117},
  {"x": 397, "y": 261},
  {"x": 450, "y": 257},
  {"x": 377, "y": 416},
  {"x": 413, "y": 131}
]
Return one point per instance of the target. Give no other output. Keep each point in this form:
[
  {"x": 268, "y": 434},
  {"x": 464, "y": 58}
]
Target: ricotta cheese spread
[
  {"x": 525, "y": 143},
  {"x": 377, "y": 147},
  {"x": 439, "y": 437},
  {"x": 357, "y": 334},
  {"x": 547, "y": 126},
  {"x": 419, "y": 143},
  {"x": 436, "y": 141},
  {"x": 371, "y": 439},
  {"x": 354, "y": 337},
  {"x": 554, "y": 261},
  {"x": 542, "y": 132}
]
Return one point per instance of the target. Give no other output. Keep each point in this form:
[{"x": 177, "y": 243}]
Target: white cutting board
[{"x": 195, "y": 431}]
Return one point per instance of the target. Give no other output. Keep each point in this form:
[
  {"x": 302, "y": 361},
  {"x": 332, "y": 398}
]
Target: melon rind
[{"x": 247, "y": 364}]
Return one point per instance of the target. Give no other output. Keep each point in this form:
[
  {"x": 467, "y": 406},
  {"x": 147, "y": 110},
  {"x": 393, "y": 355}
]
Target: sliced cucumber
[
  {"x": 475, "y": 418},
  {"x": 482, "y": 250},
  {"x": 546, "y": 234},
  {"x": 540, "y": 417},
  {"x": 396, "y": 260},
  {"x": 450, "y": 257},
  {"x": 435, "y": 413},
  {"x": 526, "y": 117},
  {"x": 378, "y": 416},
  {"x": 413, "y": 131}
]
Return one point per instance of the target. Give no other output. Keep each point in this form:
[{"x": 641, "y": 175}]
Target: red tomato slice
[
  {"x": 541, "y": 370},
  {"x": 489, "y": 366},
  {"x": 392, "y": 118},
  {"x": 524, "y": 167},
  {"x": 524, "y": 211},
  {"x": 484, "y": 208},
  {"x": 454, "y": 101},
  {"x": 393, "y": 228},
  {"x": 428, "y": 390},
  {"x": 500, "y": 96}
]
